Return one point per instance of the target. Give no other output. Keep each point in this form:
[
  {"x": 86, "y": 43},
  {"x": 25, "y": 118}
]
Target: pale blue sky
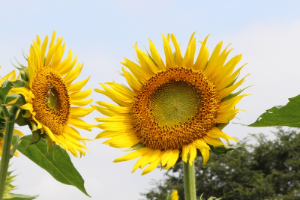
[{"x": 102, "y": 33}]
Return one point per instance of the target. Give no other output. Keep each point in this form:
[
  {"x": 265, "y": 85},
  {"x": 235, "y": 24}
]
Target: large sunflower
[
  {"x": 51, "y": 94},
  {"x": 172, "y": 108},
  {"x": 9, "y": 77}
]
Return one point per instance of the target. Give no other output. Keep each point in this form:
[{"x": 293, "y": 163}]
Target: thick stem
[
  {"x": 9, "y": 129},
  {"x": 189, "y": 181}
]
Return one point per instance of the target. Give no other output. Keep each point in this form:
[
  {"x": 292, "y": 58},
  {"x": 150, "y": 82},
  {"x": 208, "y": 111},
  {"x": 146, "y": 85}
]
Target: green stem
[
  {"x": 189, "y": 181},
  {"x": 9, "y": 129}
]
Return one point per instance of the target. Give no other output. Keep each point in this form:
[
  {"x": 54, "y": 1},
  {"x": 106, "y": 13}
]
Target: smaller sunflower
[
  {"x": 53, "y": 101},
  {"x": 174, "y": 195}
]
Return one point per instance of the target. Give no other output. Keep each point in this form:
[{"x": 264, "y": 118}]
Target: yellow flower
[
  {"x": 174, "y": 108},
  {"x": 174, "y": 195},
  {"x": 51, "y": 95}
]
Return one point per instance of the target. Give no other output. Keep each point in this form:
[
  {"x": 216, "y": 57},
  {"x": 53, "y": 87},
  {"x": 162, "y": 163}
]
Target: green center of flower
[
  {"x": 52, "y": 99},
  {"x": 175, "y": 103},
  {"x": 174, "y": 108}
]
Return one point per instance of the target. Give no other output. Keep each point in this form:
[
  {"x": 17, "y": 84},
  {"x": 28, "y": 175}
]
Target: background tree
[{"x": 267, "y": 170}]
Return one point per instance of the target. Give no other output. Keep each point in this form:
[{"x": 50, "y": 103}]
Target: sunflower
[
  {"x": 174, "y": 195},
  {"x": 51, "y": 95},
  {"x": 171, "y": 109},
  {"x": 9, "y": 77}
]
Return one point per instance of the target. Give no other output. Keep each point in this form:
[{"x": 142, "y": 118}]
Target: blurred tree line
[{"x": 267, "y": 170}]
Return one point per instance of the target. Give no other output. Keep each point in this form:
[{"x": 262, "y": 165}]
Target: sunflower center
[
  {"x": 174, "y": 103},
  {"x": 174, "y": 108},
  {"x": 51, "y": 101}
]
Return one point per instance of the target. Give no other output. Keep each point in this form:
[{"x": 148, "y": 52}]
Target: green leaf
[
  {"x": 13, "y": 196},
  {"x": 20, "y": 101},
  {"x": 6, "y": 86},
  {"x": 58, "y": 165},
  {"x": 22, "y": 121},
  {"x": 18, "y": 141},
  {"x": 136, "y": 147},
  {"x": 221, "y": 150},
  {"x": 9, "y": 98},
  {"x": 288, "y": 115}
]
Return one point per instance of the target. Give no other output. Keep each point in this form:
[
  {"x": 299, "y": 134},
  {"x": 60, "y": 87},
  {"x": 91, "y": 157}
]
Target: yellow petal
[
  {"x": 202, "y": 58},
  {"x": 58, "y": 56},
  {"x": 216, "y": 133},
  {"x": 114, "y": 108},
  {"x": 133, "y": 155},
  {"x": 104, "y": 111},
  {"x": 168, "y": 53},
  {"x": 146, "y": 63},
  {"x": 28, "y": 95},
  {"x": 230, "y": 104},
  {"x": 73, "y": 74},
  {"x": 226, "y": 91},
  {"x": 77, "y": 86},
  {"x": 178, "y": 59},
  {"x": 205, "y": 155},
  {"x": 185, "y": 152},
  {"x": 121, "y": 89},
  {"x": 152, "y": 166},
  {"x": 107, "y": 134},
  {"x": 81, "y": 95},
  {"x": 118, "y": 118},
  {"x": 200, "y": 143},
  {"x": 213, "y": 60},
  {"x": 173, "y": 159},
  {"x": 156, "y": 57},
  {"x": 81, "y": 102},
  {"x": 227, "y": 81},
  {"x": 17, "y": 132},
  {"x": 132, "y": 81},
  {"x": 188, "y": 60},
  {"x": 79, "y": 123},
  {"x": 167, "y": 154},
  {"x": 149, "y": 157},
  {"x": 27, "y": 106},
  {"x": 66, "y": 65},
  {"x": 136, "y": 70},
  {"x": 123, "y": 140},
  {"x": 80, "y": 112},
  {"x": 115, "y": 126},
  {"x": 212, "y": 141},
  {"x": 193, "y": 154}
]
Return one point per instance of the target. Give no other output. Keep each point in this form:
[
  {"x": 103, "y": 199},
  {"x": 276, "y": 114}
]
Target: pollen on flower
[
  {"x": 52, "y": 102},
  {"x": 174, "y": 108}
]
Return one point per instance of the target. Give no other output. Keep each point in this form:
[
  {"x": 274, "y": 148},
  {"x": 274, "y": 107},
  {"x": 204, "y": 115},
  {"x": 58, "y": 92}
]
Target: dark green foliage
[{"x": 268, "y": 170}]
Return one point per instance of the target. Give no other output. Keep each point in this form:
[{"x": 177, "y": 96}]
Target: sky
[{"x": 102, "y": 33}]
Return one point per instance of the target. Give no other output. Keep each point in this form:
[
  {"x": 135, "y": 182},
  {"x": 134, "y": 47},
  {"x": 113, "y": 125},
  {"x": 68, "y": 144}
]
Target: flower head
[
  {"x": 172, "y": 108},
  {"x": 51, "y": 95},
  {"x": 174, "y": 195}
]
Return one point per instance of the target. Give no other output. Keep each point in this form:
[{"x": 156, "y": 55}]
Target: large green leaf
[
  {"x": 58, "y": 165},
  {"x": 288, "y": 115}
]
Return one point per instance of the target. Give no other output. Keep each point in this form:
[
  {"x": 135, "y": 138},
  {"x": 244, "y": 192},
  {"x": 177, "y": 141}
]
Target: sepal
[{"x": 221, "y": 150}]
